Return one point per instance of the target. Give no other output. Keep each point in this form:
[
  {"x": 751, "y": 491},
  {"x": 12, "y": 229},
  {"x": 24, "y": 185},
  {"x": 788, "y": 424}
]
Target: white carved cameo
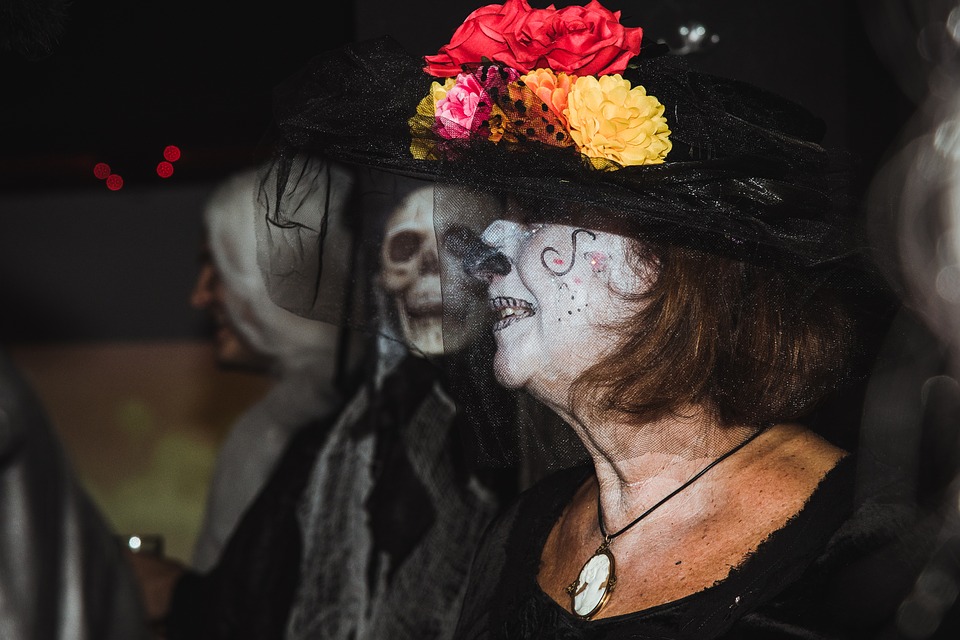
[{"x": 593, "y": 585}]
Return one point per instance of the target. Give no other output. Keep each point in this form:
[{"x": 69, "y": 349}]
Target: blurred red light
[
  {"x": 101, "y": 170},
  {"x": 114, "y": 182},
  {"x": 164, "y": 169},
  {"x": 171, "y": 153}
]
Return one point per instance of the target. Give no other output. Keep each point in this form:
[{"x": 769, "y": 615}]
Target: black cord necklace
[{"x": 597, "y": 579}]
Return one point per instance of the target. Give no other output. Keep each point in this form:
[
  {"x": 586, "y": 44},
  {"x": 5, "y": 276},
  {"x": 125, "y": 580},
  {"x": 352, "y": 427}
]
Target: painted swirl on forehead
[{"x": 573, "y": 253}]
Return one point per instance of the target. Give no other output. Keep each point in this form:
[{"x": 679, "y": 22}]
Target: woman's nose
[
  {"x": 479, "y": 259},
  {"x": 505, "y": 235}
]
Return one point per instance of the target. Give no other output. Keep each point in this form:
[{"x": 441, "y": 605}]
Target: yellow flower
[
  {"x": 551, "y": 88},
  {"x": 423, "y": 144},
  {"x": 610, "y": 121}
]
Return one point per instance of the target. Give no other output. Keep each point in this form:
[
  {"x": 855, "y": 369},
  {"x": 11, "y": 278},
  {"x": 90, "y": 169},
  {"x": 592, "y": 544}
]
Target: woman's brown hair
[{"x": 751, "y": 345}]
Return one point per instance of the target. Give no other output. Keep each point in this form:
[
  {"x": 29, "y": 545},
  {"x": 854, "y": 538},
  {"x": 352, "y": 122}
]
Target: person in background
[
  {"x": 62, "y": 574},
  {"x": 251, "y": 334},
  {"x": 254, "y": 334}
]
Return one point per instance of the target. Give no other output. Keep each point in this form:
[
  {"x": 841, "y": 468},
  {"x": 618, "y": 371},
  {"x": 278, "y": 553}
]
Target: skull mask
[
  {"x": 411, "y": 271},
  {"x": 412, "y": 268}
]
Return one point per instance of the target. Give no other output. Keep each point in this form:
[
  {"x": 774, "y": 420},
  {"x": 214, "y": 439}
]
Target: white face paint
[{"x": 564, "y": 288}]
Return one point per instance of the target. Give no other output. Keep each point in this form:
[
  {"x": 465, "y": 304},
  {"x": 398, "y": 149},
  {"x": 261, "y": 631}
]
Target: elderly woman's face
[{"x": 565, "y": 288}]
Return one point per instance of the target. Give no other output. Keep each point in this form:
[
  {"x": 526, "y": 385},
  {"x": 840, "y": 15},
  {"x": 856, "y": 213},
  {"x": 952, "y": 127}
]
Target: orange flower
[{"x": 551, "y": 88}]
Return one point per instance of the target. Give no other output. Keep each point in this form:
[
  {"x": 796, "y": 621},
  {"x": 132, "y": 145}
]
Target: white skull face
[
  {"x": 432, "y": 322},
  {"x": 411, "y": 271}
]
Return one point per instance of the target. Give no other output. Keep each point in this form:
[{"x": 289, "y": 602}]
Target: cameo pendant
[{"x": 592, "y": 588}]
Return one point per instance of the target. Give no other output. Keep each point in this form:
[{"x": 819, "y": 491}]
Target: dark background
[{"x": 123, "y": 80}]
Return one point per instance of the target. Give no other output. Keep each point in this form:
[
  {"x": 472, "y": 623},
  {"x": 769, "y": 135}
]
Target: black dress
[{"x": 795, "y": 585}]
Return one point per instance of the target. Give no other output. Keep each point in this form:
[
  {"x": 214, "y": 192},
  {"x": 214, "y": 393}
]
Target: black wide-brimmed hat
[{"x": 727, "y": 167}]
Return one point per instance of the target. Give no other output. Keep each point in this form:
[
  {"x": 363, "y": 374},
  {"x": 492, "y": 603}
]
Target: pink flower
[
  {"x": 495, "y": 76},
  {"x": 464, "y": 109}
]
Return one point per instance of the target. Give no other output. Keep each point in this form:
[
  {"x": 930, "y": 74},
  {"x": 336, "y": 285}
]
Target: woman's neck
[{"x": 637, "y": 465}]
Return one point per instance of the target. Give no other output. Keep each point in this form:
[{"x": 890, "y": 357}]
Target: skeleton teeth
[{"x": 510, "y": 310}]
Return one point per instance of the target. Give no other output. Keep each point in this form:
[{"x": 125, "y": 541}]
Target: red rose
[
  {"x": 577, "y": 40},
  {"x": 590, "y": 41},
  {"x": 486, "y": 33}
]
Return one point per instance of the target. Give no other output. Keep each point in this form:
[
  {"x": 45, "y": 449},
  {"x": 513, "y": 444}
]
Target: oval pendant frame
[{"x": 607, "y": 590}]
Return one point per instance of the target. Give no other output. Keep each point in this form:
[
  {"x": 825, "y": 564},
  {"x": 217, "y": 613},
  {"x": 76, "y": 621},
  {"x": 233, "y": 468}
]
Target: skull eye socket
[{"x": 404, "y": 246}]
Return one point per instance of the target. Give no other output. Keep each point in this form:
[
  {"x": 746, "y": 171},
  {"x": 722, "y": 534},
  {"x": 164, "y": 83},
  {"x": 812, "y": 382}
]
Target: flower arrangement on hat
[{"x": 514, "y": 74}]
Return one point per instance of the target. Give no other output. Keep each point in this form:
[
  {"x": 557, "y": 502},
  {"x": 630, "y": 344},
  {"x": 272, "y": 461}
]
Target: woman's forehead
[
  {"x": 552, "y": 211},
  {"x": 509, "y": 226}
]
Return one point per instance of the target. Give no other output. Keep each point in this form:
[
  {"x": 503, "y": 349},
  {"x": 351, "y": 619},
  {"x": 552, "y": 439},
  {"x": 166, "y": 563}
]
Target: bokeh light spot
[
  {"x": 114, "y": 182},
  {"x": 948, "y": 283},
  {"x": 171, "y": 153},
  {"x": 101, "y": 170},
  {"x": 164, "y": 169},
  {"x": 946, "y": 139}
]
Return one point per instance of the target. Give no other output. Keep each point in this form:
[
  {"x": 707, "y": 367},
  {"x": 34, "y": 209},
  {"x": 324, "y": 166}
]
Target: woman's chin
[{"x": 507, "y": 374}]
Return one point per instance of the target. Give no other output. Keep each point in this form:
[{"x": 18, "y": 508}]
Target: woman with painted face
[
  {"x": 687, "y": 376},
  {"x": 689, "y": 301},
  {"x": 673, "y": 276}
]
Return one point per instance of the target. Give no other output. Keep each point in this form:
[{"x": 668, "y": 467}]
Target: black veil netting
[
  {"x": 746, "y": 178},
  {"x": 358, "y": 247}
]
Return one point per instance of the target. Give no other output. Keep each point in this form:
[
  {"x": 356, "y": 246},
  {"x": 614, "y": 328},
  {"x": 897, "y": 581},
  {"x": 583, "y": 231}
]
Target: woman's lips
[{"x": 509, "y": 310}]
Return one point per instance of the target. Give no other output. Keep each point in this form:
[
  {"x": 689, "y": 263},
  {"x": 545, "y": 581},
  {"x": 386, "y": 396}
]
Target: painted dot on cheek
[
  {"x": 577, "y": 281},
  {"x": 598, "y": 260},
  {"x": 557, "y": 261}
]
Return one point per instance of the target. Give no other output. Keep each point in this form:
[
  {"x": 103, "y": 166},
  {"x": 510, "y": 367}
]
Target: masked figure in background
[{"x": 393, "y": 510}]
